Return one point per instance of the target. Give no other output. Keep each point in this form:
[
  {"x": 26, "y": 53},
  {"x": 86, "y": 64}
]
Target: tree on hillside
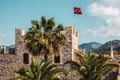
[
  {"x": 92, "y": 66},
  {"x": 39, "y": 71},
  {"x": 44, "y": 38}
]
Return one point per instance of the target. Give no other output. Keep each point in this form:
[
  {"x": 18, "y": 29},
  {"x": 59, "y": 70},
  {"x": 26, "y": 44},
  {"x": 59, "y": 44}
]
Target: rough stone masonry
[
  {"x": 22, "y": 56},
  {"x": 9, "y": 62}
]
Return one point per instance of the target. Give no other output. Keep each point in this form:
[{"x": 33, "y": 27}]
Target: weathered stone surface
[{"x": 9, "y": 62}]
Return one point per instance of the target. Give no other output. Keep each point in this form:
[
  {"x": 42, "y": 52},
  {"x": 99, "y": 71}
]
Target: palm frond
[{"x": 93, "y": 66}]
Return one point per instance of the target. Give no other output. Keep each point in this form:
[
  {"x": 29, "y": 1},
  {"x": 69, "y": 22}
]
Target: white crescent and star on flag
[{"x": 77, "y": 10}]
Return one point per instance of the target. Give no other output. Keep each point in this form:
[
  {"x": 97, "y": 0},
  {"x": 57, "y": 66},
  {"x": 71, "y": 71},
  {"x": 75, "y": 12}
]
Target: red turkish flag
[{"x": 77, "y": 10}]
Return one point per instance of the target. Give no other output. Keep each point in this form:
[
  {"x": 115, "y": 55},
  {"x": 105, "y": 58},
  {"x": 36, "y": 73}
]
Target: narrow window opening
[
  {"x": 73, "y": 31},
  {"x": 76, "y": 34},
  {"x": 57, "y": 59},
  {"x": 26, "y": 58}
]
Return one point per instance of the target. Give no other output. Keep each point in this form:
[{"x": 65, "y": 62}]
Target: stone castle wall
[
  {"x": 66, "y": 51},
  {"x": 8, "y": 62}
]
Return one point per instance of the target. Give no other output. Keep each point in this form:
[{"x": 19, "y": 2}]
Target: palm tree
[
  {"x": 92, "y": 66},
  {"x": 44, "y": 38},
  {"x": 33, "y": 37},
  {"x": 39, "y": 71}
]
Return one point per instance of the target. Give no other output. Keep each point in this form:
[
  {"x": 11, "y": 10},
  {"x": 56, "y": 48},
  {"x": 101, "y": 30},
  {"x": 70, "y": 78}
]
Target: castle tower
[
  {"x": 118, "y": 77},
  {"x": 20, "y": 49},
  {"x": 19, "y": 42},
  {"x": 67, "y": 51},
  {"x": 111, "y": 53},
  {"x": 3, "y": 49}
]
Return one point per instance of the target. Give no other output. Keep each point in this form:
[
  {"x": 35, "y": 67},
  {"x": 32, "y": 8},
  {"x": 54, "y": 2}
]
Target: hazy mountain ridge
[
  {"x": 105, "y": 48},
  {"x": 96, "y": 46},
  {"x": 89, "y": 46}
]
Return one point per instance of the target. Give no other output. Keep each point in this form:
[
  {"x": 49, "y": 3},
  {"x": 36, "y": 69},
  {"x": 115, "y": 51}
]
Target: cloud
[
  {"x": 110, "y": 2},
  {"x": 109, "y": 12},
  {"x": 105, "y": 31},
  {"x": 2, "y": 35},
  {"x": 102, "y": 11}
]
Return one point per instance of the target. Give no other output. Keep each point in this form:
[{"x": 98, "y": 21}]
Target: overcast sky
[{"x": 100, "y": 21}]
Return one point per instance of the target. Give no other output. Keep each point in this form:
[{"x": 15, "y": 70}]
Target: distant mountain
[
  {"x": 11, "y": 46},
  {"x": 105, "y": 48},
  {"x": 89, "y": 46}
]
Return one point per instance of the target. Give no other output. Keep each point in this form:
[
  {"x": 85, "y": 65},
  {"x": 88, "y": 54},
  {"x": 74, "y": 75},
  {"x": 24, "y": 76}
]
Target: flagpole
[
  {"x": 73, "y": 18},
  {"x": 77, "y": 10}
]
